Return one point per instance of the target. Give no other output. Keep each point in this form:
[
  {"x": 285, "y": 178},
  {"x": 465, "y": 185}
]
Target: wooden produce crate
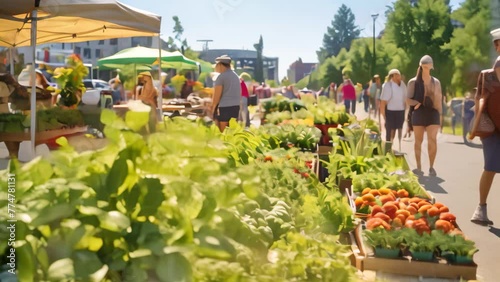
[{"x": 402, "y": 266}]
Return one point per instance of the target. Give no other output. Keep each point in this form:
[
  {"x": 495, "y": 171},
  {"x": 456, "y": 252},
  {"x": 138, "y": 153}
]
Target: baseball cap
[
  {"x": 426, "y": 60},
  {"x": 495, "y": 34},
  {"x": 394, "y": 71},
  {"x": 225, "y": 59}
]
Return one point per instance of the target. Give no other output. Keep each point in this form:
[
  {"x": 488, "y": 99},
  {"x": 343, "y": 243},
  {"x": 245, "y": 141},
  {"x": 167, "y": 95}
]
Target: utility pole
[
  {"x": 374, "y": 63},
  {"x": 205, "y": 45}
]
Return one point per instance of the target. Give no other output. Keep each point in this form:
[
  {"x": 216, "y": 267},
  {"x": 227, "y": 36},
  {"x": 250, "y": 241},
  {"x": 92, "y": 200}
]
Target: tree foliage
[
  {"x": 340, "y": 34},
  {"x": 468, "y": 47},
  {"x": 259, "y": 63},
  {"x": 421, "y": 28},
  {"x": 177, "y": 43}
]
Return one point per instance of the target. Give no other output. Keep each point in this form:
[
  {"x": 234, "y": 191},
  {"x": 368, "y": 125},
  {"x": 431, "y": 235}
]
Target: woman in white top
[{"x": 393, "y": 105}]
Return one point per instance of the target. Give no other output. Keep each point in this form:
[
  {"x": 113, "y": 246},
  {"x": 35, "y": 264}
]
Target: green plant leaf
[
  {"x": 87, "y": 263},
  {"x": 136, "y": 120},
  {"x": 25, "y": 258},
  {"x": 52, "y": 213},
  {"x": 62, "y": 270},
  {"x": 174, "y": 267},
  {"x": 114, "y": 221}
]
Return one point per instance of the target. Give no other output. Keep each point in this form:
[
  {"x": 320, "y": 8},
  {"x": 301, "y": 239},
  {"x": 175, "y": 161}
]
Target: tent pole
[
  {"x": 34, "y": 15},
  {"x": 160, "y": 94},
  {"x": 11, "y": 60}
]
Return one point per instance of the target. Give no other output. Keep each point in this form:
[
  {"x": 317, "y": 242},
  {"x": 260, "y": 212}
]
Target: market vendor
[{"x": 149, "y": 95}]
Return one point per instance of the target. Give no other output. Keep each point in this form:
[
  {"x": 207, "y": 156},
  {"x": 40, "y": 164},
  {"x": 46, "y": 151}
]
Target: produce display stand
[
  {"x": 13, "y": 140},
  {"x": 363, "y": 257},
  {"x": 440, "y": 269}
]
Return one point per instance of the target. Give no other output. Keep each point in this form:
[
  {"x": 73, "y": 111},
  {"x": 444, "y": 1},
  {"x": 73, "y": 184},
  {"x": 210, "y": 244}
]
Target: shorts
[
  {"x": 425, "y": 116},
  {"x": 394, "y": 119},
  {"x": 225, "y": 114},
  {"x": 491, "y": 152}
]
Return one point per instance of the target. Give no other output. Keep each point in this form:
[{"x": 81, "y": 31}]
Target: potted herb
[
  {"x": 458, "y": 249},
  {"x": 70, "y": 81},
  {"x": 422, "y": 247},
  {"x": 386, "y": 243}
]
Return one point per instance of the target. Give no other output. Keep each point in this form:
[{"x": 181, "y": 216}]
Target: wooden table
[
  {"x": 123, "y": 108},
  {"x": 13, "y": 140}
]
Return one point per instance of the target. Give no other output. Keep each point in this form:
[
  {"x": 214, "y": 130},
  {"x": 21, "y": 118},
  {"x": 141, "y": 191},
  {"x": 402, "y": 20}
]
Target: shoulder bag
[{"x": 482, "y": 126}]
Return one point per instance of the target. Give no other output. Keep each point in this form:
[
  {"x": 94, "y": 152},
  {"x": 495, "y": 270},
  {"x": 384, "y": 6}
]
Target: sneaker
[
  {"x": 432, "y": 172},
  {"x": 418, "y": 172},
  {"x": 481, "y": 216}
]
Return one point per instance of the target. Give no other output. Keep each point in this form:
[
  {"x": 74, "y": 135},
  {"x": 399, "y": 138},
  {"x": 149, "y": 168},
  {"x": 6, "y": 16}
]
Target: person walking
[
  {"x": 366, "y": 98},
  {"x": 227, "y": 93},
  {"x": 244, "y": 114},
  {"x": 373, "y": 93},
  {"x": 349, "y": 96},
  {"x": 393, "y": 105},
  {"x": 424, "y": 92},
  {"x": 491, "y": 144}
]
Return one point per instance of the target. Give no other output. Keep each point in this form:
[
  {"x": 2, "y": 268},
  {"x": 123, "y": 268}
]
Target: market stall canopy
[
  {"x": 73, "y": 21},
  {"x": 147, "y": 56}
]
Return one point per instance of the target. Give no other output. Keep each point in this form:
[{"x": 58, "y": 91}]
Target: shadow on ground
[
  {"x": 495, "y": 231},
  {"x": 432, "y": 184}
]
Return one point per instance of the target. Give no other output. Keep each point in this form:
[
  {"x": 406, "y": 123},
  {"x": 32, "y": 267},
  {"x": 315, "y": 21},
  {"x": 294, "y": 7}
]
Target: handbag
[{"x": 482, "y": 125}]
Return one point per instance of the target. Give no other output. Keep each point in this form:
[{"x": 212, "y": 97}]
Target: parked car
[{"x": 96, "y": 84}]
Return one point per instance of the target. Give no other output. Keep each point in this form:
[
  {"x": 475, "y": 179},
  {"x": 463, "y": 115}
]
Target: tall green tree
[
  {"x": 340, "y": 34},
  {"x": 420, "y": 28},
  {"x": 177, "y": 43},
  {"x": 469, "y": 46},
  {"x": 259, "y": 63}
]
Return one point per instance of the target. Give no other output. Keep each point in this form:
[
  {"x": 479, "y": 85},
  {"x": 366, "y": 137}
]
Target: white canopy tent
[{"x": 32, "y": 22}]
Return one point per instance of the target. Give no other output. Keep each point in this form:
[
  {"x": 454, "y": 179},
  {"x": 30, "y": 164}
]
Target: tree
[
  {"x": 469, "y": 46},
  {"x": 419, "y": 28},
  {"x": 340, "y": 35},
  {"x": 259, "y": 63},
  {"x": 177, "y": 43}
]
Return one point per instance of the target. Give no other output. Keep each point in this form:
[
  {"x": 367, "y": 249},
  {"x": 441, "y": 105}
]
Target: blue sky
[{"x": 290, "y": 28}]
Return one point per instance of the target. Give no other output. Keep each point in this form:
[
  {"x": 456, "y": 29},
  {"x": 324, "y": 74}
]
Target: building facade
[
  {"x": 244, "y": 61},
  {"x": 299, "y": 70}
]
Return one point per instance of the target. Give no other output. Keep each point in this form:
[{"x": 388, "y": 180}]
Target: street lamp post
[{"x": 374, "y": 62}]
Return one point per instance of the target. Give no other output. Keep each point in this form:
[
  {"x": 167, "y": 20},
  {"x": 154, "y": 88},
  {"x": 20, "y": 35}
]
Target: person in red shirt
[
  {"x": 244, "y": 114},
  {"x": 349, "y": 94}
]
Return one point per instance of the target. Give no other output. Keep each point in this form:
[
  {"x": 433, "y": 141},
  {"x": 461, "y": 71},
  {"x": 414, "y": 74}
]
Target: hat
[
  {"x": 495, "y": 34},
  {"x": 225, "y": 59},
  {"x": 426, "y": 60},
  {"x": 376, "y": 76},
  {"x": 145, "y": 73},
  {"x": 394, "y": 71}
]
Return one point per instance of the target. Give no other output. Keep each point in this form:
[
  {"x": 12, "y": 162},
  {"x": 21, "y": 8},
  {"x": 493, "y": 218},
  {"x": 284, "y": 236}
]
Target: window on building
[
  {"x": 113, "y": 41},
  {"x": 101, "y": 42},
  {"x": 86, "y": 53},
  {"x": 97, "y": 53},
  {"x": 77, "y": 50}
]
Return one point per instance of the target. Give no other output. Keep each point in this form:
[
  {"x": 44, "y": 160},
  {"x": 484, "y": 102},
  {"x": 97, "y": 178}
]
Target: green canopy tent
[{"x": 147, "y": 56}]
